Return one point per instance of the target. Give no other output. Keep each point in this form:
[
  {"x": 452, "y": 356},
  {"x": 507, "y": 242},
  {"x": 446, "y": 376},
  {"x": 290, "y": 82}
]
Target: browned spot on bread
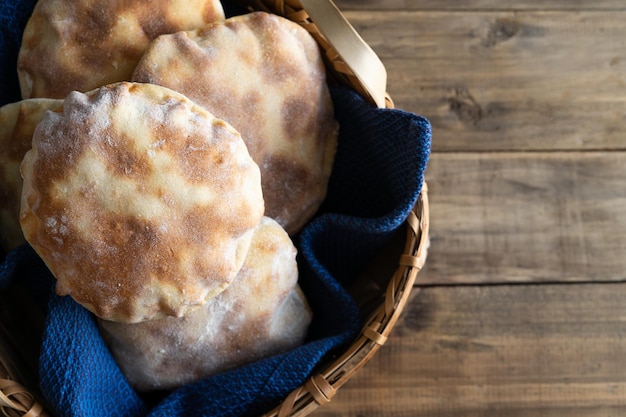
[
  {"x": 287, "y": 177},
  {"x": 297, "y": 114}
]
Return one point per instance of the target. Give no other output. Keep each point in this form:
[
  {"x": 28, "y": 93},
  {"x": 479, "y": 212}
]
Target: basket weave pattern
[
  {"x": 15, "y": 399},
  {"x": 321, "y": 388}
]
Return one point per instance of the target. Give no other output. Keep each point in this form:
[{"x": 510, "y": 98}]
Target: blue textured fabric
[
  {"x": 377, "y": 178},
  {"x": 78, "y": 376}
]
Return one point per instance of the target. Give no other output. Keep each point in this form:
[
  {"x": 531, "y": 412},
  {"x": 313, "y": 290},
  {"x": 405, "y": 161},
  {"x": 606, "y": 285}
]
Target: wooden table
[{"x": 521, "y": 309}]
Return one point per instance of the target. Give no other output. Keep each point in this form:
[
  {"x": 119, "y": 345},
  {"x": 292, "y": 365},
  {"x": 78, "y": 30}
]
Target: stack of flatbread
[{"x": 159, "y": 163}]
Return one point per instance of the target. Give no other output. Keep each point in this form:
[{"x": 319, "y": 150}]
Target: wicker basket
[{"x": 350, "y": 61}]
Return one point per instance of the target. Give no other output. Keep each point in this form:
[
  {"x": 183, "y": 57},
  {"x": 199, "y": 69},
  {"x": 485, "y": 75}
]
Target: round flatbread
[
  {"x": 263, "y": 312},
  {"x": 140, "y": 202},
  {"x": 17, "y": 124},
  {"x": 265, "y": 76},
  {"x": 84, "y": 44}
]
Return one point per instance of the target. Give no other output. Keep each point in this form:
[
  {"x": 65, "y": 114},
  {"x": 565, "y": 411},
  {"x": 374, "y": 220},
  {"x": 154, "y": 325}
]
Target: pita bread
[
  {"x": 265, "y": 76},
  {"x": 263, "y": 312},
  {"x": 140, "y": 202},
  {"x": 84, "y": 44},
  {"x": 17, "y": 124}
]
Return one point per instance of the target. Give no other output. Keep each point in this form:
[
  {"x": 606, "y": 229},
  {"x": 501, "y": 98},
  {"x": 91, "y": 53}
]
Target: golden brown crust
[
  {"x": 264, "y": 75},
  {"x": 140, "y": 202},
  {"x": 17, "y": 124},
  {"x": 84, "y": 44},
  {"x": 263, "y": 312}
]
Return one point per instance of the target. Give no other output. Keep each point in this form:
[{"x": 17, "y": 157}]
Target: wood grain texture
[
  {"x": 519, "y": 217},
  {"x": 492, "y": 351},
  {"x": 520, "y": 308},
  {"x": 507, "y": 80}
]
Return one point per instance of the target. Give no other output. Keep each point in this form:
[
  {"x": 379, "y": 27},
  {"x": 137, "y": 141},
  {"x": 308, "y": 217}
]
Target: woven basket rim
[
  {"x": 320, "y": 388},
  {"x": 15, "y": 399}
]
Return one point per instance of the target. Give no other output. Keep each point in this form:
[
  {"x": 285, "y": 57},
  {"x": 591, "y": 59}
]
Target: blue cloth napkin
[{"x": 377, "y": 178}]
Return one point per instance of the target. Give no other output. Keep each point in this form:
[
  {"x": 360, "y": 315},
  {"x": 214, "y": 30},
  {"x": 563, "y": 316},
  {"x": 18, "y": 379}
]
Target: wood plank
[
  {"x": 480, "y": 5},
  {"x": 520, "y": 217},
  {"x": 492, "y": 351},
  {"x": 507, "y": 80}
]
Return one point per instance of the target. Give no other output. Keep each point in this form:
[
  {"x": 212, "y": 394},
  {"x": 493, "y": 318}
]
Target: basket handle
[{"x": 349, "y": 56}]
